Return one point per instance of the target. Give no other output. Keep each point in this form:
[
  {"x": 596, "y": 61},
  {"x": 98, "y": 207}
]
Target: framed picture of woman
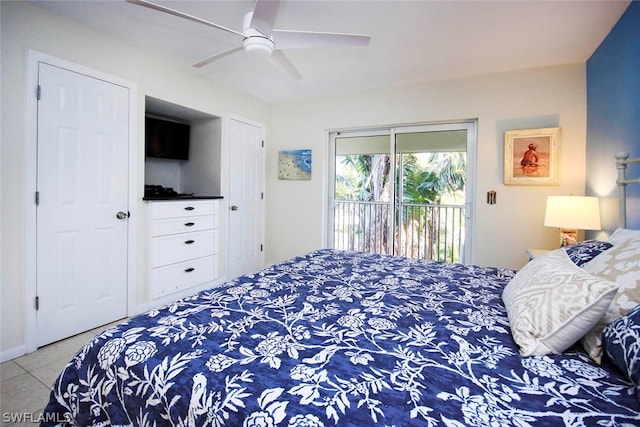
[{"x": 531, "y": 156}]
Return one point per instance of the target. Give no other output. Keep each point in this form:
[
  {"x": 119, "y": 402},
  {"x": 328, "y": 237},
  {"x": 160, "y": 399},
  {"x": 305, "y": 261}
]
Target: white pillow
[
  {"x": 619, "y": 264},
  {"x": 551, "y": 303}
]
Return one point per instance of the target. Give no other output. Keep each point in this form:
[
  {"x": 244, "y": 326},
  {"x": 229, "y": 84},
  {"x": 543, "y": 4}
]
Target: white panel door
[
  {"x": 246, "y": 198},
  {"x": 82, "y": 186}
]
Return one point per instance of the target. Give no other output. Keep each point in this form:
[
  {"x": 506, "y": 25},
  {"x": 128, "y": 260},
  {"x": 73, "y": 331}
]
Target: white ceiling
[{"x": 411, "y": 41}]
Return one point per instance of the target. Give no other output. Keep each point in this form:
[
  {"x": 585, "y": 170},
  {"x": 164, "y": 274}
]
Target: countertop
[{"x": 179, "y": 197}]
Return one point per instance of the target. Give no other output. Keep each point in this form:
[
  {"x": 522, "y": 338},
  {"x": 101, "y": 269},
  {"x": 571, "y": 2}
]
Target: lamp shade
[{"x": 573, "y": 212}]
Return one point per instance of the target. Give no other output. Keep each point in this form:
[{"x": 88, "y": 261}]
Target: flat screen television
[{"x": 165, "y": 139}]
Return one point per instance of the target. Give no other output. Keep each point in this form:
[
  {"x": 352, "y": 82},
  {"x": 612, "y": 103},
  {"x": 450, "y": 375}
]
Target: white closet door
[
  {"x": 82, "y": 213},
  {"x": 246, "y": 198}
]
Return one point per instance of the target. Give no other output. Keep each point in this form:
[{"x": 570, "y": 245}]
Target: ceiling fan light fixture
[{"x": 261, "y": 47}]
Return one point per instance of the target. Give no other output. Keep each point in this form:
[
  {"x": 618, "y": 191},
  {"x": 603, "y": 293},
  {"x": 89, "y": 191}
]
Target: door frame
[
  {"x": 34, "y": 58},
  {"x": 470, "y": 125}
]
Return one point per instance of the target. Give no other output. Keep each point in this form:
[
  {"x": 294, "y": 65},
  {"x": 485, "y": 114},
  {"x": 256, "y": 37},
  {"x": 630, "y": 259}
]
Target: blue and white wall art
[{"x": 294, "y": 164}]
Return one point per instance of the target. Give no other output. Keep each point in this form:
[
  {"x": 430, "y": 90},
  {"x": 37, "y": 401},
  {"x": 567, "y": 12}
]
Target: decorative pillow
[
  {"x": 585, "y": 251},
  {"x": 621, "y": 342},
  {"x": 551, "y": 303},
  {"x": 620, "y": 264},
  {"x": 622, "y": 235}
]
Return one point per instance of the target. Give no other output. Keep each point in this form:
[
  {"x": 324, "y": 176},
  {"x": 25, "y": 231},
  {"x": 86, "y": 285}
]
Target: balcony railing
[{"x": 426, "y": 231}]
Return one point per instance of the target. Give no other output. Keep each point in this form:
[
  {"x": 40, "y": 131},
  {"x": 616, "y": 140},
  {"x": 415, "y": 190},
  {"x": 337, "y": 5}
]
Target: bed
[{"x": 355, "y": 339}]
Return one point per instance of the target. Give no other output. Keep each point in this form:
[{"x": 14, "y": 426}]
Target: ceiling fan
[{"x": 261, "y": 39}]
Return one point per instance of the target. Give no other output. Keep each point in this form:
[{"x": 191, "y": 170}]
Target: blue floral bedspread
[{"x": 336, "y": 338}]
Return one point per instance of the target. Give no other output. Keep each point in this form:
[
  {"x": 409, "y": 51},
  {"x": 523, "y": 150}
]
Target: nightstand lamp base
[{"x": 568, "y": 237}]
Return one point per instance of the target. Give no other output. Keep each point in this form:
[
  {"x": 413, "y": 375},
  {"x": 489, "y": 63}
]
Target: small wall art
[
  {"x": 531, "y": 156},
  {"x": 294, "y": 164}
]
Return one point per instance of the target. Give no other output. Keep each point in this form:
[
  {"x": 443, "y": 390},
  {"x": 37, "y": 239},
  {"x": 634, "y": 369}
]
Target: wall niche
[{"x": 200, "y": 174}]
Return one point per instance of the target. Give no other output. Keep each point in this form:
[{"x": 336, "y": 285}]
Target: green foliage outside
[
  {"x": 427, "y": 179},
  {"x": 433, "y": 177}
]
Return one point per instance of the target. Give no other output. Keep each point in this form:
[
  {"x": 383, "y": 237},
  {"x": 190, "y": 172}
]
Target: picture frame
[
  {"x": 531, "y": 156},
  {"x": 294, "y": 164}
]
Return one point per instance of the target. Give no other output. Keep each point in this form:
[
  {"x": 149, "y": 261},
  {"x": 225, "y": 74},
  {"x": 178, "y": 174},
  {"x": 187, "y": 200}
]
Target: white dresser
[{"x": 184, "y": 245}]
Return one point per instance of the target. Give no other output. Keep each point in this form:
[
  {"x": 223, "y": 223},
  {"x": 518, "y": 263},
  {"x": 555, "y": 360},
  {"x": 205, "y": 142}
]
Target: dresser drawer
[
  {"x": 161, "y": 210},
  {"x": 176, "y": 277},
  {"x": 161, "y": 227},
  {"x": 181, "y": 247}
]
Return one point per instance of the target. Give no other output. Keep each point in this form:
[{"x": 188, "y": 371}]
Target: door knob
[
  {"x": 234, "y": 208},
  {"x": 122, "y": 215}
]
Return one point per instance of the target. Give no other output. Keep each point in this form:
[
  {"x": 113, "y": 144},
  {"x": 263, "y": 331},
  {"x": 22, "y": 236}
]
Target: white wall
[
  {"x": 25, "y": 27},
  {"x": 545, "y": 97}
]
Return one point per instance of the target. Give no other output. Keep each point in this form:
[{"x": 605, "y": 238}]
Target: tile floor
[{"x": 27, "y": 380}]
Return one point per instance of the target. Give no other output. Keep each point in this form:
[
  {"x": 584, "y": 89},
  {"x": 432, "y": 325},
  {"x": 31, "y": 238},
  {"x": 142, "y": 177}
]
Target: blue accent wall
[{"x": 613, "y": 112}]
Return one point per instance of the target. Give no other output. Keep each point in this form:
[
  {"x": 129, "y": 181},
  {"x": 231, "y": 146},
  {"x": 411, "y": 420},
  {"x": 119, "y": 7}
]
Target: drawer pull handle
[
  {"x": 189, "y": 224},
  {"x": 189, "y": 270},
  {"x": 188, "y": 242},
  {"x": 189, "y": 208}
]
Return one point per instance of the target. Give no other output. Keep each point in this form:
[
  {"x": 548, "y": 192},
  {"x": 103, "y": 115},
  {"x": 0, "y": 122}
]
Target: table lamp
[{"x": 570, "y": 214}]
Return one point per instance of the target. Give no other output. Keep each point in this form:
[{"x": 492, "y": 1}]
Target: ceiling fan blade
[
  {"x": 264, "y": 16},
  {"x": 216, "y": 57},
  {"x": 288, "y": 39},
  {"x": 280, "y": 60},
  {"x": 174, "y": 12}
]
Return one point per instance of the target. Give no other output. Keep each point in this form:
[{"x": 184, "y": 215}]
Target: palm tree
[
  {"x": 373, "y": 175},
  {"x": 370, "y": 183},
  {"x": 442, "y": 174}
]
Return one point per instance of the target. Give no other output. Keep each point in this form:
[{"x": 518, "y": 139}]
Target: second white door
[{"x": 246, "y": 198}]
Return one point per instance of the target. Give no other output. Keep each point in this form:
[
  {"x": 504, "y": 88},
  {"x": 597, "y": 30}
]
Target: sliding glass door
[{"x": 403, "y": 191}]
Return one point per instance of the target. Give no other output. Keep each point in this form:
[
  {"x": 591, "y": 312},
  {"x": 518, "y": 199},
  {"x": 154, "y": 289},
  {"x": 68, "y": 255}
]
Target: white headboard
[{"x": 622, "y": 160}]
